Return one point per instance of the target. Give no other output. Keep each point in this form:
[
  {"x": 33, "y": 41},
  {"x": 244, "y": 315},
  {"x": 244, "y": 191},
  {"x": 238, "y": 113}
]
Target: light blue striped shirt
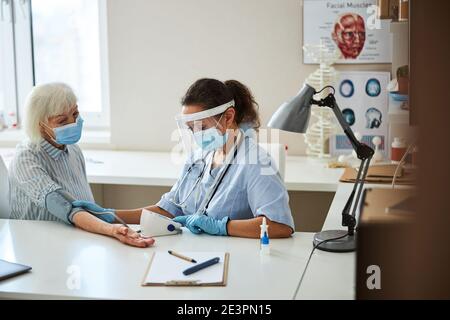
[{"x": 38, "y": 170}]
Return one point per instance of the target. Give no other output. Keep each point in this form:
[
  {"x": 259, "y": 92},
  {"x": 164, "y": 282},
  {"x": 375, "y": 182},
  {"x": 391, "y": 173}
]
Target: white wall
[{"x": 157, "y": 48}]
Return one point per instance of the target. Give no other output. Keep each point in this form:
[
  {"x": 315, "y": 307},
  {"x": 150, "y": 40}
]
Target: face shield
[{"x": 202, "y": 129}]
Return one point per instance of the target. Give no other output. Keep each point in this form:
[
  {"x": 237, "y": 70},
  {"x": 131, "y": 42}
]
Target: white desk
[
  {"x": 160, "y": 169},
  {"x": 309, "y": 174},
  {"x": 331, "y": 275},
  {"x": 328, "y": 276},
  {"x": 113, "y": 270}
]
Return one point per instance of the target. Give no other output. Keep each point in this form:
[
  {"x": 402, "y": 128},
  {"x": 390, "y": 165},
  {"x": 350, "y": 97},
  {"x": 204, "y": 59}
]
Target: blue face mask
[
  {"x": 210, "y": 139},
  {"x": 70, "y": 133}
]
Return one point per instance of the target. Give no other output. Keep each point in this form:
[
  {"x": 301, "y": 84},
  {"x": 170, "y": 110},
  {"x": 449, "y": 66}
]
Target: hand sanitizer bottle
[{"x": 265, "y": 245}]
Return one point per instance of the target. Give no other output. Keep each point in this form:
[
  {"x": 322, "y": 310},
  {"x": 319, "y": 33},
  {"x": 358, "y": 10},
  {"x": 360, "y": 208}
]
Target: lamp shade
[{"x": 294, "y": 115}]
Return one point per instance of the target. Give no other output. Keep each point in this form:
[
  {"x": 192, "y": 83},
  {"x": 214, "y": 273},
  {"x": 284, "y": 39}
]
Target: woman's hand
[
  {"x": 130, "y": 237},
  {"x": 86, "y": 221}
]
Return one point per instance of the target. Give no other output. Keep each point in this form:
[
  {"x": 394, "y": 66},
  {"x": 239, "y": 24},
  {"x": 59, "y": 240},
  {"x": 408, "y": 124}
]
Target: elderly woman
[{"x": 48, "y": 172}]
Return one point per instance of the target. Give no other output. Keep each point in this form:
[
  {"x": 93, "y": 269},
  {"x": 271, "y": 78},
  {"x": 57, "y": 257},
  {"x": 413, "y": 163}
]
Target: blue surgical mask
[
  {"x": 210, "y": 139},
  {"x": 70, "y": 133}
]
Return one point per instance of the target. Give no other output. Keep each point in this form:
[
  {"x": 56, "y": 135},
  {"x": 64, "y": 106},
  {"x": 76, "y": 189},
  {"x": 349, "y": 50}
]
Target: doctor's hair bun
[
  {"x": 246, "y": 106},
  {"x": 211, "y": 93}
]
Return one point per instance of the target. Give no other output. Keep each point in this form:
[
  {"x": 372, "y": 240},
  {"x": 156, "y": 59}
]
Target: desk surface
[
  {"x": 55, "y": 247},
  {"x": 331, "y": 275},
  {"x": 276, "y": 279},
  {"x": 111, "y": 270},
  {"x": 162, "y": 169}
]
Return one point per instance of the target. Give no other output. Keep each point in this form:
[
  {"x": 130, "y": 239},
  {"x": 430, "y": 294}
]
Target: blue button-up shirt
[{"x": 39, "y": 169}]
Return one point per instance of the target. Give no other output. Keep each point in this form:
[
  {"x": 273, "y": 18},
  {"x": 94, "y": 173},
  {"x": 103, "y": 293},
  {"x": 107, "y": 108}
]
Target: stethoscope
[
  {"x": 176, "y": 195},
  {"x": 212, "y": 191}
]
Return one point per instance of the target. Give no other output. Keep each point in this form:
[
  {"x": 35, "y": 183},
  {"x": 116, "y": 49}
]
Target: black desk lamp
[{"x": 294, "y": 116}]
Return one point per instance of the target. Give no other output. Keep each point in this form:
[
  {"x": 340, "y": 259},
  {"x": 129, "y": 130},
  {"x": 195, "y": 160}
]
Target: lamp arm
[
  {"x": 349, "y": 218},
  {"x": 345, "y": 126},
  {"x": 363, "y": 152}
]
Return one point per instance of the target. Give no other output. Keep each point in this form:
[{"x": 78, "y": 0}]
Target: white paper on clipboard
[{"x": 166, "y": 269}]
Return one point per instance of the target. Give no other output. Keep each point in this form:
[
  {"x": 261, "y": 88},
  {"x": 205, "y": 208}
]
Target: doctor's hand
[
  {"x": 201, "y": 223},
  {"x": 130, "y": 237}
]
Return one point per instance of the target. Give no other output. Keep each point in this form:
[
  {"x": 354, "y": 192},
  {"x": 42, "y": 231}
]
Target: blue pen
[{"x": 201, "y": 266}]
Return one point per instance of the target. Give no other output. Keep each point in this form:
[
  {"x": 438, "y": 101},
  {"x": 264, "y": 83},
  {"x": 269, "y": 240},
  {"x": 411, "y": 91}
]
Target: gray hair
[{"x": 45, "y": 101}]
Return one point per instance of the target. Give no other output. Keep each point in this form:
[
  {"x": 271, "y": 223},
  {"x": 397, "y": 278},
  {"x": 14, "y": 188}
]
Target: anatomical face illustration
[{"x": 349, "y": 34}]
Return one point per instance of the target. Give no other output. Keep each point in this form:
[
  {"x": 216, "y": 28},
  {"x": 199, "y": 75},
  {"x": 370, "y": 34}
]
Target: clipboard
[{"x": 167, "y": 270}]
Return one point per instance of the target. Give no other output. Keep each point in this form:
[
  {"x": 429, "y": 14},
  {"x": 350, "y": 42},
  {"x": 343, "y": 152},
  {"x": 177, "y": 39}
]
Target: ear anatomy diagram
[
  {"x": 364, "y": 99},
  {"x": 373, "y": 118}
]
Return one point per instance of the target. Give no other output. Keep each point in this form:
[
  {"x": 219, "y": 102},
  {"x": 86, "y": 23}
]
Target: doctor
[{"x": 229, "y": 184}]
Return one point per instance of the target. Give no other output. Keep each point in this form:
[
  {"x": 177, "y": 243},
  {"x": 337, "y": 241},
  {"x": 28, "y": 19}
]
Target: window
[
  {"x": 10, "y": 51},
  {"x": 52, "y": 40}
]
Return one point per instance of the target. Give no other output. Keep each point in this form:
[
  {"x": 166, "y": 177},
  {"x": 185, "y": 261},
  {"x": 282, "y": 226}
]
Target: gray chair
[{"x": 5, "y": 209}]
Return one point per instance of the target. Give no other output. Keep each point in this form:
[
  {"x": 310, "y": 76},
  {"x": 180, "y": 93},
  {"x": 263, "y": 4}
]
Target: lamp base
[{"x": 345, "y": 244}]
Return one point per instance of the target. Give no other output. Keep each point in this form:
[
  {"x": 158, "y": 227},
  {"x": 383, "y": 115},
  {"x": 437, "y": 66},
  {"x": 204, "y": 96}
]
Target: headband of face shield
[{"x": 200, "y": 129}]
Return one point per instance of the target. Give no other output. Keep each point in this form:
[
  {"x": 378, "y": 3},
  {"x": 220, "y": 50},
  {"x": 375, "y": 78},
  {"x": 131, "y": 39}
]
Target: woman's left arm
[
  {"x": 86, "y": 221},
  {"x": 267, "y": 197},
  {"x": 251, "y": 228}
]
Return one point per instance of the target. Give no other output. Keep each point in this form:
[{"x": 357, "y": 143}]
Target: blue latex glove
[
  {"x": 107, "y": 215},
  {"x": 201, "y": 223}
]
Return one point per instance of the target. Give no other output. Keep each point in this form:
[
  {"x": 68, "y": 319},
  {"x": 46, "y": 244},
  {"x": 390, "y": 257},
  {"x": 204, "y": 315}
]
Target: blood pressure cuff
[{"x": 59, "y": 204}]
